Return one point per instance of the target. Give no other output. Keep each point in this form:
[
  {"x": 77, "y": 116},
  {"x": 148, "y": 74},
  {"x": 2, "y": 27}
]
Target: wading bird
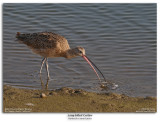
[{"x": 49, "y": 45}]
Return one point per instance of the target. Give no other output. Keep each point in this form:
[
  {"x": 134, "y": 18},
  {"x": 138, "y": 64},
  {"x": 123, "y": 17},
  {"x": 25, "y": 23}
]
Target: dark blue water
[{"x": 119, "y": 38}]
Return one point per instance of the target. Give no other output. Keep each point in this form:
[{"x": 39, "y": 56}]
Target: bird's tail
[
  {"x": 20, "y": 37},
  {"x": 18, "y": 34}
]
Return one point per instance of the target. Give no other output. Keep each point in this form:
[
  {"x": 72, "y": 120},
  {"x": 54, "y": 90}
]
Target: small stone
[
  {"x": 102, "y": 86},
  {"x": 29, "y": 104},
  {"x": 70, "y": 91},
  {"x": 84, "y": 93},
  {"x": 65, "y": 90},
  {"x": 43, "y": 95},
  {"x": 149, "y": 98},
  {"x": 53, "y": 93},
  {"x": 114, "y": 95}
]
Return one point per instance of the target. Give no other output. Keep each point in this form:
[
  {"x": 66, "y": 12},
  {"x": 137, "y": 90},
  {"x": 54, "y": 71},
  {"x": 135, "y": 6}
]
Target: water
[{"x": 119, "y": 38}]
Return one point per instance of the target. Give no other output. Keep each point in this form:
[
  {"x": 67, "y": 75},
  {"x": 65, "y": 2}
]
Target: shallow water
[{"x": 119, "y": 38}]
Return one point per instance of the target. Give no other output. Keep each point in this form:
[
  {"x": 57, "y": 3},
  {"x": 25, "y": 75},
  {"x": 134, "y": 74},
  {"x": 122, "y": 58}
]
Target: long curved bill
[{"x": 90, "y": 63}]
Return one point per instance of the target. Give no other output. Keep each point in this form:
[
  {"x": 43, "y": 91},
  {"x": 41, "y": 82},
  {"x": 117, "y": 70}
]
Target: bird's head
[{"x": 78, "y": 51}]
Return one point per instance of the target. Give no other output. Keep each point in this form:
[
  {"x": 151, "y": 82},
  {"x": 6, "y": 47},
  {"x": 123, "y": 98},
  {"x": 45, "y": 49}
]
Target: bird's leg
[
  {"x": 47, "y": 84},
  {"x": 42, "y": 84},
  {"x": 47, "y": 68},
  {"x": 42, "y": 65}
]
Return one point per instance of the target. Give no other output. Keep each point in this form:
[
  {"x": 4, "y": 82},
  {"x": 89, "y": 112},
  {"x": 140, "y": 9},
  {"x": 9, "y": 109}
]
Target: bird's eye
[{"x": 80, "y": 51}]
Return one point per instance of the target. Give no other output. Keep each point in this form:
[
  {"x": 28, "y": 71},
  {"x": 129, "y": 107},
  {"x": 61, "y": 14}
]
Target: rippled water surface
[{"x": 119, "y": 38}]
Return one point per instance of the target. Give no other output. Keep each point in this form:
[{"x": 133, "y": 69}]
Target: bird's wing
[{"x": 41, "y": 40}]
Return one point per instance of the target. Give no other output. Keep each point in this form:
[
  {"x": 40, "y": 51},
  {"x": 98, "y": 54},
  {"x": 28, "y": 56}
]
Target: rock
[
  {"x": 43, "y": 95},
  {"x": 29, "y": 104},
  {"x": 114, "y": 95},
  {"x": 53, "y": 93},
  {"x": 149, "y": 98},
  {"x": 65, "y": 90}
]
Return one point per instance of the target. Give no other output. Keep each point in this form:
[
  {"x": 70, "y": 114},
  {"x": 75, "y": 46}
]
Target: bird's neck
[{"x": 70, "y": 53}]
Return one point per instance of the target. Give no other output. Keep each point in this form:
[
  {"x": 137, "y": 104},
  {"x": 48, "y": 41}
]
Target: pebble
[
  {"x": 43, "y": 95},
  {"x": 29, "y": 104}
]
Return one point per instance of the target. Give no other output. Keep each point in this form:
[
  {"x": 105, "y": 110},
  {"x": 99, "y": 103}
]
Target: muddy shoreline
[{"x": 72, "y": 100}]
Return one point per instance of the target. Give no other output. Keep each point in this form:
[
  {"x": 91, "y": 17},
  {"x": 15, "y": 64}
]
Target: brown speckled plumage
[{"x": 46, "y": 44}]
